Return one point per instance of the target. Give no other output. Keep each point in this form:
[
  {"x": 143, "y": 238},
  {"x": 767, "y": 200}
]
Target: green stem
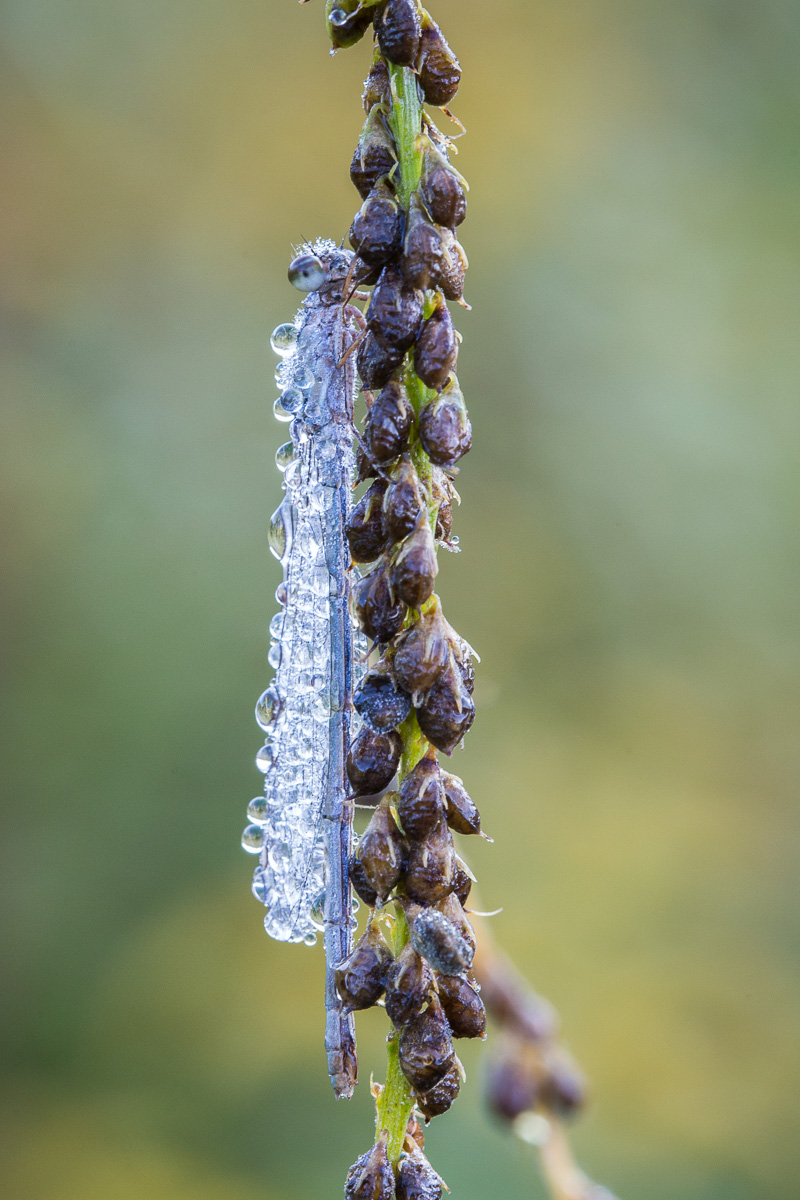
[{"x": 405, "y": 120}]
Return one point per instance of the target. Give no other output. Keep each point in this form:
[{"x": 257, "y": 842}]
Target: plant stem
[{"x": 405, "y": 120}]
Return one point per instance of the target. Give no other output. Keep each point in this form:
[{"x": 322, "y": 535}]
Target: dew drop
[
  {"x": 292, "y": 399},
  {"x": 284, "y": 455},
  {"x": 274, "y": 655},
  {"x": 280, "y": 594},
  {"x": 310, "y": 939},
  {"x": 265, "y": 758},
  {"x": 267, "y": 707},
  {"x": 280, "y": 412},
  {"x": 253, "y": 839},
  {"x": 260, "y": 886},
  {"x": 257, "y": 810},
  {"x": 278, "y": 535},
  {"x": 276, "y": 625},
  {"x": 284, "y": 339},
  {"x": 304, "y": 378}
]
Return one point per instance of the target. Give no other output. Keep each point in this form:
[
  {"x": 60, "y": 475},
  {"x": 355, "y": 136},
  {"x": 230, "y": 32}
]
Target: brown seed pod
[
  {"x": 404, "y": 501},
  {"x": 364, "y": 528},
  {"x": 438, "y": 941},
  {"x": 416, "y": 1178},
  {"x": 452, "y": 908},
  {"x": 382, "y": 851},
  {"x": 398, "y": 28},
  {"x": 454, "y": 267},
  {"x": 462, "y": 882},
  {"x": 408, "y": 986},
  {"x": 388, "y": 423},
  {"x": 512, "y": 1086},
  {"x": 361, "y": 885},
  {"x": 438, "y": 1099},
  {"x": 372, "y": 761},
  {"x": 395, "y": 310},
  {"x": 419, "y": 805},
  {"x": 374, "y": 156},
  {"x": 425, "y": 1048},
  {"x": 347, "y": 21},
  {"x": 442, "y": 189},
  {"x": 376, "y": 363},
  {"x": 361, "y": 978},
  {"x": 377, "y": 229},
  {"x": 447, "y": 712},
  {"x": 431, "y": 866},
  {"x": 462, "y": 1006},
  {"x": 363, "y": 274},
  {"x": 380, "y": 704},
  {"x": 378, "y": 613},
  {"x": 422, "y": 653},
  {"x": 436, "y": 349},
  {"x": 564, "y": 1088},
  {"x": 462, "y": 812},
  {"x": 444, "y": 427},
  {"x": 415, "y": 566},
  {"x": 371, "y": 1177},
  {"x": 439, "y": 69},
  {"x": 377, "y": 89},
  {"x": 423, "y": 249}
]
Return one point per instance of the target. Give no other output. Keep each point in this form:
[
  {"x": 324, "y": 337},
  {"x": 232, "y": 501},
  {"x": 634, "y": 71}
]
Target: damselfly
[{"x": 302, "y": 825}]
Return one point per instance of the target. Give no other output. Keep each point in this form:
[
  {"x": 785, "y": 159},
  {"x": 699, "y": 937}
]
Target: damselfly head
[{"x": 307, "y": 273}]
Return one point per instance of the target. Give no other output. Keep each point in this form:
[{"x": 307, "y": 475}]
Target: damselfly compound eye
[{"x": 307, "y": 273}]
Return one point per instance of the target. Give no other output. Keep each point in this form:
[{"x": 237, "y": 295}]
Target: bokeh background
[{"x": 629, "y": 576}]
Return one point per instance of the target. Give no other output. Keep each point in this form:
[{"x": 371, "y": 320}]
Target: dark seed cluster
[
  {"x": 417, "y": 691},
  {"x": 528, "y": 1069}
]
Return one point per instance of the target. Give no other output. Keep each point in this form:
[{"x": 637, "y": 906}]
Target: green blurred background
[{"x": 629, "y": 576}]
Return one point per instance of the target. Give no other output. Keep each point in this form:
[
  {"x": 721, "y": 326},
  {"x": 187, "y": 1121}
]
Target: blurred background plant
[{"x": 631, "y": 582}]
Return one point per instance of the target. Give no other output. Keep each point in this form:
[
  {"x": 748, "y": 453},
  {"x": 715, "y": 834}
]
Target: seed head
[
  {"x": 364, "y": 528},
  {"x": 415, "y": 567},
  {"x": 419, "y": 804},
  {"x": 361, "y": 978},
  {"x": 438, "y": 1099},
  {"x": 408, "y": 987},
  {"x": 379, "y": 614},
  {"x": 371, "y": 1177},
  {"x": 438, "y": 941},
  {"x": 373, "y": 761},
  {"x": 382, "y": 851},
  {"x": 425, "y": 1047},
  {"x": 436, "y": 349},
  {"x": 389, "y": 422}
]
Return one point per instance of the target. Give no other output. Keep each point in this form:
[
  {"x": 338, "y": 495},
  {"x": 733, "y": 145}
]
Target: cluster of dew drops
[
  {"x": 296, "y": 380},
  {"x": 287, "y": 406}
]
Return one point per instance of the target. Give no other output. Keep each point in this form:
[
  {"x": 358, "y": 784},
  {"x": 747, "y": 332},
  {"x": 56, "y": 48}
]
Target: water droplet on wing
[
  {"x": 253, "y": 839},
  {"x": 284, "y": 339}
]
